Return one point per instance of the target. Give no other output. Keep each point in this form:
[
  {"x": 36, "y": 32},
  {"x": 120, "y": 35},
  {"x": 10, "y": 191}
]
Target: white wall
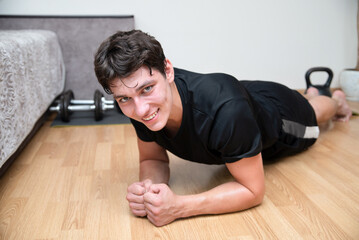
[{"x": 276, "y": 40}]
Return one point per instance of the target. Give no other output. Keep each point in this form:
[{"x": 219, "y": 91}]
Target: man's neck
[{"x": 175, "y": 119}]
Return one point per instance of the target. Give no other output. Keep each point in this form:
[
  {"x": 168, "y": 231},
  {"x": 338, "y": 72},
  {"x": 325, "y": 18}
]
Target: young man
[{"x": 206, "y": 118}]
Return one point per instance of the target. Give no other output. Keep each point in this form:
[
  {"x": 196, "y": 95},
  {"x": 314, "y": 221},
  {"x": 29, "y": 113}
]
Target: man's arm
[
  {"x": 154, "y": 168},
  {"x": 154, "y": 162},
  {"x": 246, "y": 192},
  {"x": 163, "y": 206}
]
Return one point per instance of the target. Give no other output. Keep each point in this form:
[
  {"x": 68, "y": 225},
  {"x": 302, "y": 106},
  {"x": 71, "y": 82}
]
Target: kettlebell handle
[{"x": 319, "y": 69}]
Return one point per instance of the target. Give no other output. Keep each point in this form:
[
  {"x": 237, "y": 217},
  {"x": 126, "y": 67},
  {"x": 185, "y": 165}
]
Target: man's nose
[{"x": 141, "y": 107}]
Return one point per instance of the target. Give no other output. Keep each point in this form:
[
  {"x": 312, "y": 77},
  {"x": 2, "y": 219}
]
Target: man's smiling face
[{"x": 144, "y": 97}]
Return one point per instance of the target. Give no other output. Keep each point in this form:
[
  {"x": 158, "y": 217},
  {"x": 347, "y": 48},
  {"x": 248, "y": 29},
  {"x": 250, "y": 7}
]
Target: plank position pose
[{"x": 205, "y": 118}]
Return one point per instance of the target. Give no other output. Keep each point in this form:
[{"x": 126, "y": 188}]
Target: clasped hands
[{"x": 156, "y": 201}]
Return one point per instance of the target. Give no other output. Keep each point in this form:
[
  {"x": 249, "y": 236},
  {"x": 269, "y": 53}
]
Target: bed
[{"x": 32, "y": 75}]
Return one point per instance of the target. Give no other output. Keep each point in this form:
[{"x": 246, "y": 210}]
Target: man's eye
[
  {"x": 123, "y": 100},
  {"x": 147, "y": 89}
]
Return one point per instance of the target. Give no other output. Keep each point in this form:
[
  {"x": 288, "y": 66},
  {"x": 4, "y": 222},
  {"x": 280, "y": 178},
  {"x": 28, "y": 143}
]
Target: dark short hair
[{"x": 123, "y": 53}]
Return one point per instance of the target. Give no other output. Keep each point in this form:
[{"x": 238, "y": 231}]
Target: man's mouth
[{"x": 151, "y": 116}]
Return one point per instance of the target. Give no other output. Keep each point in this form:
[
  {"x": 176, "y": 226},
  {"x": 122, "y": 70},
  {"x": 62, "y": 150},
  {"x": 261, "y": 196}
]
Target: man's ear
[{"x": 170, "y": 74}]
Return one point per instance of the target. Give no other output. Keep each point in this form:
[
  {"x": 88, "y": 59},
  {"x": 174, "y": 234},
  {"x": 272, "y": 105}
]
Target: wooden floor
[{"x": 70, "y": 183}]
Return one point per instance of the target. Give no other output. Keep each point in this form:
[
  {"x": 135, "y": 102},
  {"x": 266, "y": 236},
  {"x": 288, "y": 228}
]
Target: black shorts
[{"x": 299, "y": 128}]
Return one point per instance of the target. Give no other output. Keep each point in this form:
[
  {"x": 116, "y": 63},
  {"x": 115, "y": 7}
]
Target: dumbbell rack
[{"x": 67, "y": 105}]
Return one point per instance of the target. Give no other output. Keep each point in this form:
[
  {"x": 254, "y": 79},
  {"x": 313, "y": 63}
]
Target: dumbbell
[
  {"x": 67, "y": 104},
  {"x": 323, "y": 89}
]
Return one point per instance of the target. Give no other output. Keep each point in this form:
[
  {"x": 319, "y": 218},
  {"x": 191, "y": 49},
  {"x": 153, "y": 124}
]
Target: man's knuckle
[
  {"x": 156, "y": 211},
  {"x": 128, "y": 197},
  {"x": 157, "y": 202}
]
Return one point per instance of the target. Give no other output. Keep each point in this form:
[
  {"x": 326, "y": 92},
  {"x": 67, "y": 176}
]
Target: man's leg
[{"x": 327, "y": 108}]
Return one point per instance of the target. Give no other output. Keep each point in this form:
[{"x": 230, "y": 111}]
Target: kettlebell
[{"x": 323, "y": 89}]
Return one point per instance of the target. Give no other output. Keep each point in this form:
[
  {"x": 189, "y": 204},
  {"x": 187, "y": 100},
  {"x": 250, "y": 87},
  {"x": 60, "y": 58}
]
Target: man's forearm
[
  {"x": 247, "y": 190},
  {"x": 228, "y": 197},
  {"x": 155, "y": 170}
]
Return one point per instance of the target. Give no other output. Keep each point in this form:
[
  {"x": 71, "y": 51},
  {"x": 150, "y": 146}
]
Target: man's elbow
[
  {"x": 259, "y": 196},
  {"x": 259, "y": 199}
]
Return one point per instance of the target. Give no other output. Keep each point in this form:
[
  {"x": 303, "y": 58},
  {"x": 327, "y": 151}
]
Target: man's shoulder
[
  {"x": 215, "y": 77},
  {"x": 207, "y": 93},
  {"x": 207, "y": 85}
]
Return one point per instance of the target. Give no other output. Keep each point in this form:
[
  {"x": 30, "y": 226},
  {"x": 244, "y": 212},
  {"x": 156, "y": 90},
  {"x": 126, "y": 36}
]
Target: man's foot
[
  {"x": 311, "y": 93},
  {"x": 344, "y": 112}
]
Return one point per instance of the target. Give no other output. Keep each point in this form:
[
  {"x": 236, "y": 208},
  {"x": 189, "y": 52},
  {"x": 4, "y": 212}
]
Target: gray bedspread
[{"x": 32, "y": 74}]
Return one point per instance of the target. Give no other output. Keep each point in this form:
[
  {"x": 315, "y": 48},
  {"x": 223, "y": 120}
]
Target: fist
[
  {"x": 135, "y": 198},
  {"x": 161, "y": 205}
]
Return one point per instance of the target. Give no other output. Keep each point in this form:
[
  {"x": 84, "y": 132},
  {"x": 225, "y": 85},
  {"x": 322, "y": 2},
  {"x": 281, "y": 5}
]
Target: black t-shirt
[{"x": 221, "y": 122}]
